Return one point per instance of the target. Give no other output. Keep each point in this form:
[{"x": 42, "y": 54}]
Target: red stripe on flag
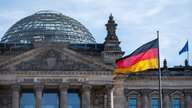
[{"x": 127, "y": 62}]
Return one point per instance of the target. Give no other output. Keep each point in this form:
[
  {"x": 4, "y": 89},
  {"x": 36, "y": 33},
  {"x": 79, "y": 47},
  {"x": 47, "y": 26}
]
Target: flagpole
[
  {"x": 159, "y": 72},
  {"x": 188, "y": 52}
]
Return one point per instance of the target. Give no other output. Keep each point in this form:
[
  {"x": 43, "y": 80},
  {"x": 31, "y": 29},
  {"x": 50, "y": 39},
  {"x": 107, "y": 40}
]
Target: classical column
[
  {"x": 86, "y": 96},
  {"x": 145, "y": 99},
  {"x": 63, "y": 95},
  {"x": 108, "y": 89},
  {"x": 105, "y": 101},
  {"x": 15, "y": 95},
  {"x": 187, "y": 99},
  {"x": 166, "y": 99},
  {"x": 38, "y": 95}
]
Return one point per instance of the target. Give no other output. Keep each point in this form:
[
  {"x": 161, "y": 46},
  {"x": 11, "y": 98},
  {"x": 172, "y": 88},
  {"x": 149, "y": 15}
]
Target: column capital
[
  {"x": 108, "y": 87},
  {"x": 144, "y": 91},
  {"x": 187, "y": 92},
  {"x": 86, "y": 88},
  {"x": 166, "y": 92},
  {"x": 38, "y": 87},
  {"x": 16, "y": 87},
  {"x": 63, "y": 87}
]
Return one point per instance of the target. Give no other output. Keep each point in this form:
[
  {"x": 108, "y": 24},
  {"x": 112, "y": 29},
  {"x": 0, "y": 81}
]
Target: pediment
[
  {"x": 176, "y": 93},
  {"x": 53, "y": 58},
  {"x": 154, "y": 93},
  {"x": 133, "y": 93}
]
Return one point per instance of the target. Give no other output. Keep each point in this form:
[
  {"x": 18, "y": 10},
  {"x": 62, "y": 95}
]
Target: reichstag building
[{"x": 49, "y": 60}]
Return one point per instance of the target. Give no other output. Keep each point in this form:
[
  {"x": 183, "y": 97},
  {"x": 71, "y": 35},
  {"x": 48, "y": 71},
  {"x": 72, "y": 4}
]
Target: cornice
[
  {"x": 155, "y": 78},
  {"x": 121, "y": 76},
  {"x": 56, "y": 73}
]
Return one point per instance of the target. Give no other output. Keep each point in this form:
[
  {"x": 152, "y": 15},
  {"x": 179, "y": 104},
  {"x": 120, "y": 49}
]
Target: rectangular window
[
  {"x": 50, "y": 100},
  {"x": 73, "y": 100},
  {"x": 27, "y": 100},
  {"x": 154, "y": 103},
  {"x": 176, "y": 103},
  {"x": 133, "y": 103}
]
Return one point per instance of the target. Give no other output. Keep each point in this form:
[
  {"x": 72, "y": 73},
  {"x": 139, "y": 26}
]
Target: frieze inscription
[{"x": 50, "y": 79}]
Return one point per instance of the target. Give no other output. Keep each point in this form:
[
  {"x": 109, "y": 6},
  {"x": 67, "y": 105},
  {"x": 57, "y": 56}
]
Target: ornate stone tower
[{"x": 112, "y": 50}]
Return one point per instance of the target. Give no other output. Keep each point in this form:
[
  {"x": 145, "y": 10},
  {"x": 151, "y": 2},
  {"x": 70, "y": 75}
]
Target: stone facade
[{"x": 63, "y": 67}]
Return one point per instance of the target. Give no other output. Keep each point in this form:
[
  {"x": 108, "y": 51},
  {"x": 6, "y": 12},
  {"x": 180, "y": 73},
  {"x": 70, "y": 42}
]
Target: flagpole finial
[{"x": 157, "y": 34}]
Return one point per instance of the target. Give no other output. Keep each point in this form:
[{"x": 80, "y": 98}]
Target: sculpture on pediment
[{"x": 52, "y": 60}]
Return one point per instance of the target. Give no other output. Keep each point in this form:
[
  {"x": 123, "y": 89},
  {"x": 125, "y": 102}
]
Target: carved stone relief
[{"x": 52, "y": 60}]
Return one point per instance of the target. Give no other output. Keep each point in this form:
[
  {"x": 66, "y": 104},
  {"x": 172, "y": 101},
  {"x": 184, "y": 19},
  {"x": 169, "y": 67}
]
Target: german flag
[{"x": 143, "y": 58}]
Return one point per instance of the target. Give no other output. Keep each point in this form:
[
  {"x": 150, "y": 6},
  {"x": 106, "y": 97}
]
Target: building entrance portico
[
  {"x": 76, "y": 93},
  {"x": 60, "y": 97}
]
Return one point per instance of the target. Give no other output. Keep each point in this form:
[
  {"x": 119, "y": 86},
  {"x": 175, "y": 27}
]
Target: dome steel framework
[{"x": 48, "y": 26}]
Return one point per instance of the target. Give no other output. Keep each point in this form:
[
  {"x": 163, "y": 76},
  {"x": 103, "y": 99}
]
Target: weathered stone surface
[
  {"x": 38, "y": 94},
  {"x": 89, "y": 71}
]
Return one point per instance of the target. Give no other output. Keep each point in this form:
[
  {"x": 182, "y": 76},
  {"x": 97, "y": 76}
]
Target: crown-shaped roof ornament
[{"x": 111, "y": 19}]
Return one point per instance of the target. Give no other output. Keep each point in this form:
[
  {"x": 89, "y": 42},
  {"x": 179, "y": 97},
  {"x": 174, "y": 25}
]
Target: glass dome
[{"x": 48, "y": 26}]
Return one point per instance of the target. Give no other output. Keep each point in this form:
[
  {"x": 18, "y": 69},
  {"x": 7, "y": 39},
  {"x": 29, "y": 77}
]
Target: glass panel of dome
[
  {"x": 52, "y": 28},
  {"x": 57, "y": 22},
  {"x": 58, "y": 28},
  {"x": 29, "y": 26},
  {"x": 36, "y": 25}
]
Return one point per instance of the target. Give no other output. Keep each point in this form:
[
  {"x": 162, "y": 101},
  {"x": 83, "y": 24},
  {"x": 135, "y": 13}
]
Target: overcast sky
[{"x": 138, "y": 21}]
